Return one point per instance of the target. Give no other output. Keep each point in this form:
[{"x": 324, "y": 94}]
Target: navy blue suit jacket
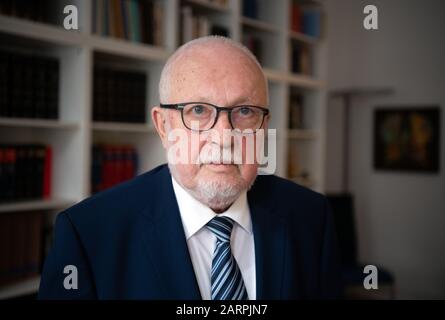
[{"x": 128, "y": 243}]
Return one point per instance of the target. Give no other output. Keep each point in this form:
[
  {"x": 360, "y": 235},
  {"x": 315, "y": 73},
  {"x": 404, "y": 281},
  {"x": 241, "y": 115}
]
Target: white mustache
[{"x": 216, "y": 156}]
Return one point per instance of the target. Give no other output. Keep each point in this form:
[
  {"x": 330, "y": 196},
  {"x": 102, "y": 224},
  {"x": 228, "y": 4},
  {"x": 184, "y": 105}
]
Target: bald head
[{"x": 211, "y": 58}]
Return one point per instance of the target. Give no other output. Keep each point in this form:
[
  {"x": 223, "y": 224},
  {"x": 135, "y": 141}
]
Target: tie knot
[{"x": 221, "y": 227}]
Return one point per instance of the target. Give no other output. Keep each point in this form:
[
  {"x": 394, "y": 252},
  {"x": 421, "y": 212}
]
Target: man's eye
[
  {"x": 245, "y": 111},
  {"x": 198, "y": 109}
]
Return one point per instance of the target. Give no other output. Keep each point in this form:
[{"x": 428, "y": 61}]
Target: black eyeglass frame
[{"x": 181, "y": 106}]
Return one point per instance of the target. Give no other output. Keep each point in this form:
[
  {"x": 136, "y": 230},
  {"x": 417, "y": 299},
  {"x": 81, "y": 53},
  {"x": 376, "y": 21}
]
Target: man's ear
[{"x": 158, "y": 118}]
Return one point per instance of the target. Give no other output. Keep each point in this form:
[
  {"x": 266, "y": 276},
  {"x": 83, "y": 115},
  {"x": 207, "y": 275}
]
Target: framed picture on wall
[{"x": 407, "y": 139}]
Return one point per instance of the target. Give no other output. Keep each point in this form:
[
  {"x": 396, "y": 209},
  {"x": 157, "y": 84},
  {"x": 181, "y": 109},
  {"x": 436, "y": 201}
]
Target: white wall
[{"x": 401, "y": 216}]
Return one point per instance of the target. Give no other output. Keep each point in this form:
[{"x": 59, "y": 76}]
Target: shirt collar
[{"x": 195, "y": 215}]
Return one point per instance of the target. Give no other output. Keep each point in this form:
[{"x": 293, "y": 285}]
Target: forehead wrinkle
[
  {"x": 221, "y": 80},
  {"x": 207, "y": 62}
]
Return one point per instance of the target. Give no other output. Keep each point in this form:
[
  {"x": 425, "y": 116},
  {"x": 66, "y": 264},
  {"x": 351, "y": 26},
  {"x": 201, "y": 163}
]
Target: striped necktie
[{"x": 226, "y": 278}]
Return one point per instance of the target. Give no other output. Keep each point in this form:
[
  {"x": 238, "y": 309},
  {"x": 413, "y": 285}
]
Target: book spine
[
  {"x": 47, "y": 172},
  {"x": 4, "y": 84},
  {"x": 17, "y": 80},
  {"x": 40, "y": 91},
  {"x": 158, "y": 23},
  {"x": 187, "y": 24},
  {"x": 135, "y": 21}
]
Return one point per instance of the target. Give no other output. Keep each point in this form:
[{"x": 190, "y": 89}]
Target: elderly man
[{"x": 205, "y": 226}]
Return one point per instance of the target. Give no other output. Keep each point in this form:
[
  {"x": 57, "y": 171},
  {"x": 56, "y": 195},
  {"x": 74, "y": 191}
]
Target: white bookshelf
[
  {"x": 28, "y": 205},
  {"x": 22, "y": 288},
  {"x": 122, "y": 127},
  {"x": 73, "y": 135},
  {"x": 37, "y": 123},
  {"x": 211, "y": 6},
  {"x": 259, "y": 25}
]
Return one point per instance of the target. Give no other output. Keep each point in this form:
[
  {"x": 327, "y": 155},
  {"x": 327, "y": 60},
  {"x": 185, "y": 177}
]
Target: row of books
[
  {"x": 29, "y": 86},
  {"x": 254, "y": 44},
  {"x": 26, "y": 9},
  {"x": 301, "y": 58},
  {"x": 111, "y": 165},
  {"x": 250, "y": 9},
  {"x": 296, "y": 103},
  {"x": 195, "y": 26},
  {"x": 305, "y": 19},
  {"x": 22, "y": 238},
  {"x": 295, "y": 170},
  {"x": 25, "y": 172},
  {"x": 119, "y": 95},
  {"x": 134, "y": 20},
  {"x": 221, "y": 3}
]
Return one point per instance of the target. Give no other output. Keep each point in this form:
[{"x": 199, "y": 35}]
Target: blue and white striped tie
[{"x": 227, "y": 281}]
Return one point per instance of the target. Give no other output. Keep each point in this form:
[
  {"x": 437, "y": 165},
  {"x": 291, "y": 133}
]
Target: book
[
  {"x": 296, "y": 111},
  {"x": 25, "y": 172},
  {"x": 301, "y": 59},
  {"x": 119, "y": 95},
  {"x": 293, "y": 167},
  {"x": 48, "y": 161},
  {"x": 311, "y": 21},
  {"x": 296, "y": 17},
  {"x": 187, "y": 24},
  {"x": 111, "y": 165},
  {"x": 254, "y": 44},
  {"x": 20, "y": 245},
  {"x": 218, "y": 30},
  {"x": 250, "y": 9},
  {"x": 27, "y": 9},
  {"x": 29, "y": 86},
  {"x": 133, "y": 20}
]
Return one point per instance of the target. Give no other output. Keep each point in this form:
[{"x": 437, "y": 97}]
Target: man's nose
[
  {"x": 222, "y": 130},
  {"x": 223, "y": 122}
]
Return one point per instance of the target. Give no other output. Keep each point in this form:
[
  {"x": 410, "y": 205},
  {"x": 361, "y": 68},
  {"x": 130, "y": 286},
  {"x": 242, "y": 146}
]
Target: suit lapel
[
  {"x": 166, "y": 244},
  {"x": 269, "y": 236}
]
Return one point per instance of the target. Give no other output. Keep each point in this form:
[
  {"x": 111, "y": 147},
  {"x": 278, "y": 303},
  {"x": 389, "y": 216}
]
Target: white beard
[{"x": 215, "y": 194}]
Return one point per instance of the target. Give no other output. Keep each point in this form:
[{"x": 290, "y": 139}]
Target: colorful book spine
[{"x": 111, "y": 165}]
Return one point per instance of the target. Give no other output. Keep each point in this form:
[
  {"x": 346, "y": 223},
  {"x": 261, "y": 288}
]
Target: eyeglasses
[{"x": 242, "y": 117}]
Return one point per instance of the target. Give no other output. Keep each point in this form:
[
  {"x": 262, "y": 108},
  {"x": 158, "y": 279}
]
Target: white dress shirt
[{"x": 201, "y": 241}]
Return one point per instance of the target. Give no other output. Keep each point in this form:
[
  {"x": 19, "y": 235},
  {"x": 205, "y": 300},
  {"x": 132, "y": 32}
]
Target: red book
[
  {"x": 296, "y": 18},
  {"x": 128, "y": 163},
  {"x": 117, "y": 164},
  {"x": 47, "y": 168},
  {"x": 107, "y": 168}
]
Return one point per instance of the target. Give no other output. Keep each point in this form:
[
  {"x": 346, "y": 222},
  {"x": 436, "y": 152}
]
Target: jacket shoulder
[
  {"x": 288, "y": 198},
  {"x": 273, "y": 186},
  {"x": 121, "y": 203}
]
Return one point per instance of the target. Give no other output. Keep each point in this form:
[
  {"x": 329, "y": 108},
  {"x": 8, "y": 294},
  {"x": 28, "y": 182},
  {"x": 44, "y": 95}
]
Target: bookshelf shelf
[
  {"x": 304, "y": 182},
  {"x": 28, "y": 205},
  {"x": 125, "y": 48},
  {"x": 303, "y": 81},
  {"x": 259, "y": 25},
  {"x": 40, "y": 31},
  {"x": 302, "y": 134},
  {"x": 303, "y": 38},
  {"x": 274, "y": 75},
  {"x": 122, "y": 127},
  {"x": 29, "y": 286},
  {"x": 211, "y": 6},
  {"x": 37, "y": 123}
]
